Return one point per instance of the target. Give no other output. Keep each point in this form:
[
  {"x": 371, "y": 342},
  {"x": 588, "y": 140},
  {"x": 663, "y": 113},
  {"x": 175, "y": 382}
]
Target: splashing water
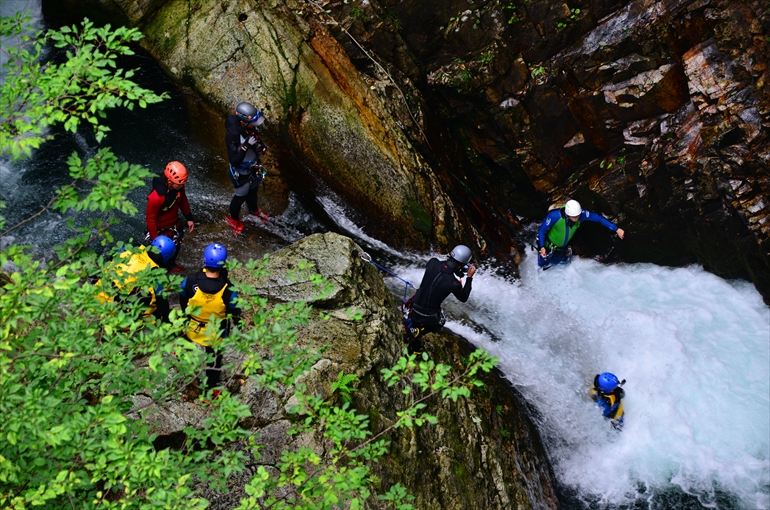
[{"x": 694, "y": 348}]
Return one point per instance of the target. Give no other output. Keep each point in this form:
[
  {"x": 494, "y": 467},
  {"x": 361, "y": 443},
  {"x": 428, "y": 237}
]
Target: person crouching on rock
[
  {"x": 128, "y": 263},
  {"x": 440, "y": 280}
]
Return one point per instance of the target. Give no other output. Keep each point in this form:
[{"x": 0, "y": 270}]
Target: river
[{"x": 694, "y": 348}]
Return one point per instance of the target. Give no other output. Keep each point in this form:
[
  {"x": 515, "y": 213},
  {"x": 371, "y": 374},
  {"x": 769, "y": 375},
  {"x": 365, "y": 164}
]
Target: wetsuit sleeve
[
  {"x": 161, "y": 306},
  {"x": 598, "y": 218},
  {"x": 154, "y": 204},
  {"x": 463, "y": 293},
  {"x": 230, "y": 298},
  {"x": 605, "y": 406},
  {"x": 234, "y": 153},
  {"x": 184, "y": 295},
  {"x": 548, "y": 222},
  {"x": 184, "y": 204}
]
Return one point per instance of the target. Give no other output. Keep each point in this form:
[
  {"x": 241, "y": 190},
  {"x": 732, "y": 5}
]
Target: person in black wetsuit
[
  {"x": 440, "y": 280},
  {"x": 244, "y": 149}
]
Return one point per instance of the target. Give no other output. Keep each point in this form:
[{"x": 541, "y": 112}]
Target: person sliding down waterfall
[
  {"x": 557, "y": 230},
  {"x": 244, "y": 148},
  {"x": 440, "y": 280},
  {"x": 162, "y": 213},
  {"x": 607, "y": 393}
]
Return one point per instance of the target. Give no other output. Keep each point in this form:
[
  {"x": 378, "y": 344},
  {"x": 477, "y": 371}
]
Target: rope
[{"x": 368, "y": 258}]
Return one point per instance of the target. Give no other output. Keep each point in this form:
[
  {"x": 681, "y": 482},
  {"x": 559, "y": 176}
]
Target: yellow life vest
[
  {"x": 211, "y": 305},
  {"x": 136, "y": 263}
]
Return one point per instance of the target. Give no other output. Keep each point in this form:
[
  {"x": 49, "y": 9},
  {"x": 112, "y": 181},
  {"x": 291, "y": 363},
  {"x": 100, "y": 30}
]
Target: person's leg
[
  {"x": 213, "y": 374},
  {"x": 235, "y": 206},
  {"x": 251, "y": 197}
]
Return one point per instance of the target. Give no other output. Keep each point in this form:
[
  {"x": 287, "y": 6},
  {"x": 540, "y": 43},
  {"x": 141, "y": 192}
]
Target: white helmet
[{"x": 573, "y": 208}]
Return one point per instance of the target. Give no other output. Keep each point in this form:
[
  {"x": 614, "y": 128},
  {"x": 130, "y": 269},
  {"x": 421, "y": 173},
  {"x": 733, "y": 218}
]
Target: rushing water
[{"x": 694, "y": 348}]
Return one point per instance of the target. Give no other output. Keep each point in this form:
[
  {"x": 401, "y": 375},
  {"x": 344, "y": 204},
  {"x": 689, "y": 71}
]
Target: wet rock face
[
  {"x": 654, "y": 113},
  {"x": 281, "y": 56},
  {"x": 484, "y": 453}
]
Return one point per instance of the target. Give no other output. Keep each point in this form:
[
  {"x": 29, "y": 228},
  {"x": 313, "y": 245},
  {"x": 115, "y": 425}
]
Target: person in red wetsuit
[{"x": 163, "y": 204}]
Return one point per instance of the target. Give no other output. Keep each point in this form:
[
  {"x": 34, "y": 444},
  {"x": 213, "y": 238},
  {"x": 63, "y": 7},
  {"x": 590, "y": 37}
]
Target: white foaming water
[
  {"x": 694, "y": 348},
  {"x": 338, "y": 215}
]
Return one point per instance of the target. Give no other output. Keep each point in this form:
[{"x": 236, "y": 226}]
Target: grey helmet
[
  {"x": 247, "y": 112},
  {"x": 461, "y": 254}
]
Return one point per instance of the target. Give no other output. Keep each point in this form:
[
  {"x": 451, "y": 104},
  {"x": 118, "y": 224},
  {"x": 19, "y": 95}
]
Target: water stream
[{"x": 694, "y": 348}]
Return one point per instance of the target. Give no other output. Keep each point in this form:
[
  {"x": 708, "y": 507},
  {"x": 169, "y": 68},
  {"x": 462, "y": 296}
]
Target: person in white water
[{"x": 557, "y": 230}]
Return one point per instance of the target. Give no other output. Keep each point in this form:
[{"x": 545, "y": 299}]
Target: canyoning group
[
  {"x": 208, "y": 290},
  {"x": 208, "y": 293}
]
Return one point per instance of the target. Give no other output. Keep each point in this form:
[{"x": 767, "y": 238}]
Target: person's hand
[
  {"x": 620, "y": 232},
  {"x": 252, "y": 140},
  {"x": 542, "y": 251},
  {"x": 190, "y": 226},
  {"x": 471, "y": 271}
]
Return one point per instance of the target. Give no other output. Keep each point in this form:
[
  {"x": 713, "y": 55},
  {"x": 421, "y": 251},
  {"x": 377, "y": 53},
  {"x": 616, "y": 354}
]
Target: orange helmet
[{"x": 176, "y": 172}]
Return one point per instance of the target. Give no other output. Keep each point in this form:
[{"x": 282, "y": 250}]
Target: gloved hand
[{"x": 251, "y": 141}]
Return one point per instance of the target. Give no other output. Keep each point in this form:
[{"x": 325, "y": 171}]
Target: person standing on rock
[
  {"x": 209, "y": 295},
  {"x": 440, "y": 280},
  {"x": 557, "y": 230},
  {"x": 163, "y": 204},
  {"x": 244, "y": 149}
]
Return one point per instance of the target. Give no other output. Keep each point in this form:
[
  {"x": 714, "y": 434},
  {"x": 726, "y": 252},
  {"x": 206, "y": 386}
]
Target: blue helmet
[
  {"x": 214, "y": 256},
  {"x": 166, "y": 247},
  {"x": 607, "y": 382}
]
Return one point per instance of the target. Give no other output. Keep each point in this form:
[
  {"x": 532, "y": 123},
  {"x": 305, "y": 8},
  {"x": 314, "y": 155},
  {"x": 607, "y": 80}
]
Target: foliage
[
  {"x": 36, "y": 95},
  {"x": 343, "y": 386},
  {"x": 82, "y": 377}
]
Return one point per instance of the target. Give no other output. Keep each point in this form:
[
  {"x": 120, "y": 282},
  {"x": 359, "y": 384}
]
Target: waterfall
[{"x": 694, "y": 348}]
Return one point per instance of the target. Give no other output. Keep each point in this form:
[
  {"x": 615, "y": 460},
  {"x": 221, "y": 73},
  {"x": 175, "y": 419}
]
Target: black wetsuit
[
  {"x": 437, "y": 283},
  {"x": 243, "y": 159}
]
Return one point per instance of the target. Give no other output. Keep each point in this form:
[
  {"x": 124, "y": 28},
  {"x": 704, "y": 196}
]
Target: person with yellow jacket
[
  {"x": 129, "y": 263},
  {"x": 607, "y": 393},
  {"x": 207, "y": 295}
]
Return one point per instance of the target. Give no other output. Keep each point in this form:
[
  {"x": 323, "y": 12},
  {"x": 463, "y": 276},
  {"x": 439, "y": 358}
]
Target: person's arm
[
  {"x": 184, "y": 204},
  {"x": 154, "y": 204},
  {"x": 463, "y": 293},
  {"x": 161, "y": 305},
  {"x": 235, "y": 150},
  {"x": 183, "y": 296},
  {"x": 542, "y": 233},
  {"x": 605, "y": 405},
  {"x": 231, "y": 306},
  {"x": 598, "y": 218}
]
